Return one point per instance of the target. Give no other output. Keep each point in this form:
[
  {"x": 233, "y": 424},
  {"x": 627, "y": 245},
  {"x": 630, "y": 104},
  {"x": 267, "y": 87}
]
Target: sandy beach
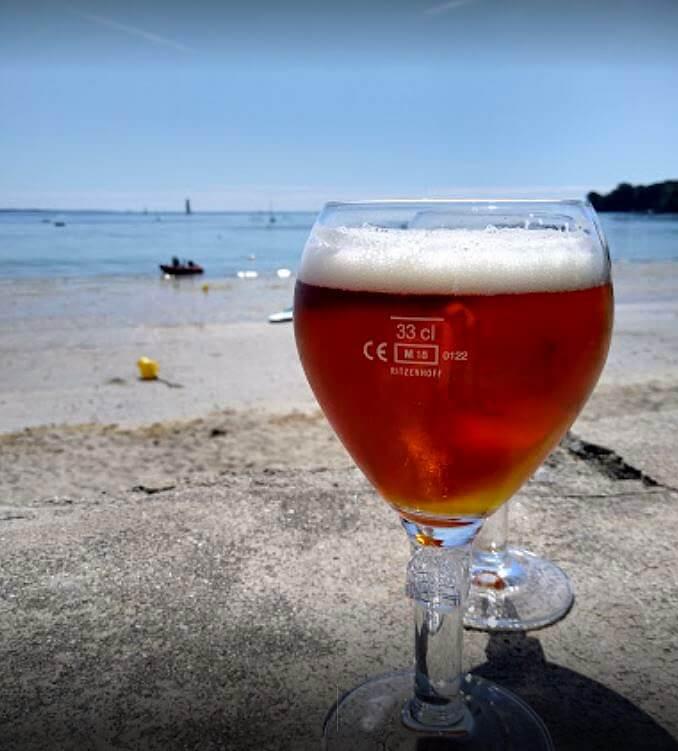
[{"x": 105, "y": 468}]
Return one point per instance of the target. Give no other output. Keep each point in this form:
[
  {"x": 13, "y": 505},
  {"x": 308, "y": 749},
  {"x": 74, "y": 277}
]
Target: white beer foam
[{"x": 459, "y": 261}]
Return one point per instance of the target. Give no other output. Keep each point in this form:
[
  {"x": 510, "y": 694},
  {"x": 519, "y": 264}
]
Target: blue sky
[{"x": 132, "y": 105}]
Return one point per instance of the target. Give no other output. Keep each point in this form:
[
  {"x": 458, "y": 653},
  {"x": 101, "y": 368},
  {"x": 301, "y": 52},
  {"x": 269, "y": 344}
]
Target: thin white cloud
[
  {"x": 436, "y": 10},
  {"x": 148, "y": 36}
]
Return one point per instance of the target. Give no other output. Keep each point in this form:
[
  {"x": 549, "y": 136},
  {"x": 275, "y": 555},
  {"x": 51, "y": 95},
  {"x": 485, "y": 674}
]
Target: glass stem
[
  {"x": 490, "y": 547},
  {"x": 437, "y": 583}
]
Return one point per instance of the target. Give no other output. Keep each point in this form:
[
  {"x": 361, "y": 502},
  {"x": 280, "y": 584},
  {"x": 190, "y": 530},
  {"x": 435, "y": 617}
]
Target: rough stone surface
[{"x": 228, "y": 613}]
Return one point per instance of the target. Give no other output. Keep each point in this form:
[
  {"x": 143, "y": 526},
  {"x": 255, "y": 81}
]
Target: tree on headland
[{"x": 658, "y": 198}]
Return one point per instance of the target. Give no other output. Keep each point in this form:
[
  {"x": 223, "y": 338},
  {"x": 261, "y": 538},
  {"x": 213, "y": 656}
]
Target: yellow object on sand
[
  {"x": 205, "y": 287},
  {"x": 148, "y": 369}
]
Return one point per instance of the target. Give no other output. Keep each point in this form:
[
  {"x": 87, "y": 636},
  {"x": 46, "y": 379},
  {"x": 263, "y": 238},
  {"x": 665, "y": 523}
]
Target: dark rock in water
[{"x": 658, "y": 198}]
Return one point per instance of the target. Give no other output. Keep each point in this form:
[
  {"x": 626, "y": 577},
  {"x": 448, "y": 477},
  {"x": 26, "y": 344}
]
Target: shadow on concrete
[{"x": 581, "y": 714}]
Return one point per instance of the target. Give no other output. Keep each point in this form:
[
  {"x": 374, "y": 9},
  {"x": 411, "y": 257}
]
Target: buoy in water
[
  {"x": 205, "y": 287},
  {"x": 283, "y": 273},
  {"x": 148, "y": 369}
]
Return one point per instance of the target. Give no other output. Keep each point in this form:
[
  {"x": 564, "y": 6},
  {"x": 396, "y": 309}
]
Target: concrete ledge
[{"x": 229, "y": 614}]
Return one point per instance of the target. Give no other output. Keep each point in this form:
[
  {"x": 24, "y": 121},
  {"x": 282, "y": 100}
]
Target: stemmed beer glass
[
  {"x": 512, "y": 589},
  {"x": 450, "y": 345}
]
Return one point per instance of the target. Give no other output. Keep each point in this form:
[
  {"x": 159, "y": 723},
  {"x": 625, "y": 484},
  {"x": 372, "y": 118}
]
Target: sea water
[
  {"x": 33, "y": 245},
  {"x": 86, "y": 244}
]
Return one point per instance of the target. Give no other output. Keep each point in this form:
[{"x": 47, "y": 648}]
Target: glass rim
[{"x": 405, "y": 202}]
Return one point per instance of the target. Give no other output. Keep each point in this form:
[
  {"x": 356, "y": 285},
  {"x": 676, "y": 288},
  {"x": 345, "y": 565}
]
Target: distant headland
[{"x": 658, "y": 198}]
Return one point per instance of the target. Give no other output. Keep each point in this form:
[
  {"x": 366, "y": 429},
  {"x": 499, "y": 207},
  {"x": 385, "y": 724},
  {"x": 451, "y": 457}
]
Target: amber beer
[{"x": 449, "y": 402}]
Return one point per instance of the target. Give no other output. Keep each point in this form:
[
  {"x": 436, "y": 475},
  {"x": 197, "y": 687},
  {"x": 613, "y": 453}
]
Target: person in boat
[
  {"x": 175, "y": 261},
  {"x": 191, "y": 265}
]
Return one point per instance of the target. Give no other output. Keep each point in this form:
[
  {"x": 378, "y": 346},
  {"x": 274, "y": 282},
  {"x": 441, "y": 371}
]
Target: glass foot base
[
  {"x": 369, "y": 718},
  {"x": 525, "y": 592}
]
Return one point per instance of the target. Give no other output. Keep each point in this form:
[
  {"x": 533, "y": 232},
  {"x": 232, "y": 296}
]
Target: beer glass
[
  {"x": 512, "y": 589},
  {"x": 450, "y": 345}
]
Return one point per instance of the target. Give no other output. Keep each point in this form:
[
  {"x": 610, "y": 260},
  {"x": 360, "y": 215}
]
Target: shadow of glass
[{"x": 581, "y": 714}]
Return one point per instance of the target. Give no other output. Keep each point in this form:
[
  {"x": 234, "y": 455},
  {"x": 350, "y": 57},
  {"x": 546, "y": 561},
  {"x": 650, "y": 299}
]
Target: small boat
[
  {"x": 282, "y": 317},
  {"x": 181, "y": 269}
]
